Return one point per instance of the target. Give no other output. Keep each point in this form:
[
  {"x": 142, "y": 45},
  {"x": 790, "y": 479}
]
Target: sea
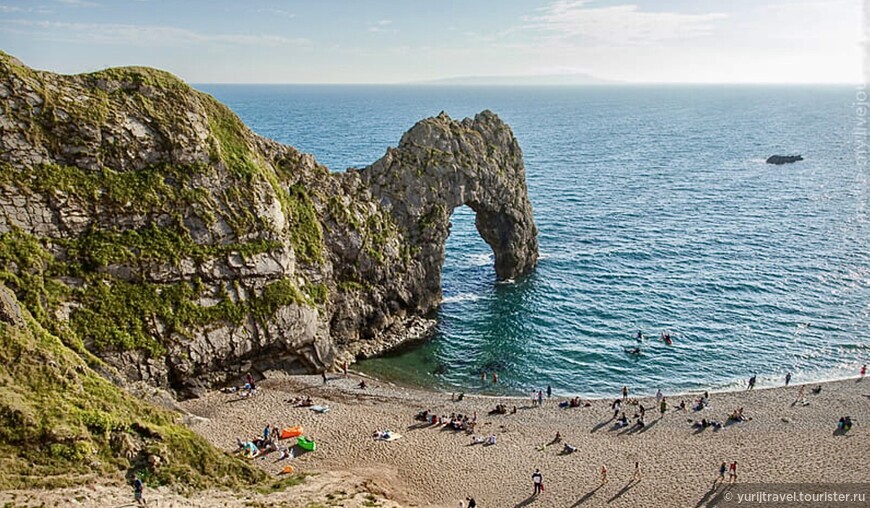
[{"x": 656, "y": 212}]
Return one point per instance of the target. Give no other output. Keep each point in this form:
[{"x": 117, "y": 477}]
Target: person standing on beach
[
  {"x": 864, "y": 370},
  {"x": 663, "y": 406},
  {"x": 722, "y": 468},
  {"x": 751, "y": 382},
  {"x": 624, "y": 392},
  {"x": 250, "y": 380},
  {"x": 540, "y": 398},
  {"x": 732, "y": 472},
  {"x": 636, "y": 476},
  {"x": 603, "y": 474},
  {"x": 344, "y": 368},
  {"x": 538, "y": 482},
  {"x": 787, "y": 378},
  {"x": 800, "y": 397},
  {"x": 324, "y": 376},
  {"x": 616, "y": 406},
  {"x": 659, "y": 396},
  {"x": 549, "y": 391},
  {"x": 138, "y": 487}
]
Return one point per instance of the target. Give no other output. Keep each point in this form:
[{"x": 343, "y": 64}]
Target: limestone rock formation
[
  {"x": 142, "y": 220},
  {"x": 441, "y": 164},
  {"x": 784, "y": 159}
]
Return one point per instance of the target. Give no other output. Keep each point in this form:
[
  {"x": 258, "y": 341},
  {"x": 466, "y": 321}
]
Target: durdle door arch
[{"x": 441, "y": 164}]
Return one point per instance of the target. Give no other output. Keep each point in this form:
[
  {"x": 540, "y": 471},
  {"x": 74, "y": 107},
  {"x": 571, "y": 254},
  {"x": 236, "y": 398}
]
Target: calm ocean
[{"x": 656, "y": 211}]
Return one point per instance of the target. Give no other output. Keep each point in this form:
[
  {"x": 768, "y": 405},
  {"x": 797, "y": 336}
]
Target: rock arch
[{"x": 441, "y": 164}]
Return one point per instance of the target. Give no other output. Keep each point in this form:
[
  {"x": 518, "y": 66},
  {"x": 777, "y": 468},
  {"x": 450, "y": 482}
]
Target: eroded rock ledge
[{"x": 142, "y": 221}]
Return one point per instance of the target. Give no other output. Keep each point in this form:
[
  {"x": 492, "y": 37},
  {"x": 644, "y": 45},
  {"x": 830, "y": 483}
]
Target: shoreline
[
  {"x": 763, "y": 384},
  {"x": 436, "y": 466}
]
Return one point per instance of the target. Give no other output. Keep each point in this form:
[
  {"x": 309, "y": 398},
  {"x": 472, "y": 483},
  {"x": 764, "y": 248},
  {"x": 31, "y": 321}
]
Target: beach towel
[
  {"x": 389, "y": 437},
  {"x": 319, "y": 409}
]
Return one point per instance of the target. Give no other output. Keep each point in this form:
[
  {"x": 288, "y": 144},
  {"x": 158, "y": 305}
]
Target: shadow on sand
[
  {"x": 587, "y": 496},
  {"x": 628, "y": 486}
]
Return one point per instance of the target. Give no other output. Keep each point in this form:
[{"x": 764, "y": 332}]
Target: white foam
[
  {"x": 461, "y": 297},
  {"x": 479, "y": 259}
]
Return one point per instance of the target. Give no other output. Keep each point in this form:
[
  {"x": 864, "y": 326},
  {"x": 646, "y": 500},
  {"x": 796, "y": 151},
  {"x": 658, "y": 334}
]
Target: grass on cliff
[
  {"x": 61, "y": 423},
  {"x": 116, "y": 315},
  {"x": 230, "y": 145}
]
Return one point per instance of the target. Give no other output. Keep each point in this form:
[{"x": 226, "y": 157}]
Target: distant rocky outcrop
[
  {"x": 783, "y": 159},
  {"x": 142, "y": 221}
]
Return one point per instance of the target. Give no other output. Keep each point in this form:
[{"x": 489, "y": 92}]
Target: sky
[{"x": 381, "y": 41}]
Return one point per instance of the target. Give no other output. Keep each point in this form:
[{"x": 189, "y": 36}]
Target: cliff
[
  {"x": 61, "y": 423},
  {"x": 143, "y": 223}
]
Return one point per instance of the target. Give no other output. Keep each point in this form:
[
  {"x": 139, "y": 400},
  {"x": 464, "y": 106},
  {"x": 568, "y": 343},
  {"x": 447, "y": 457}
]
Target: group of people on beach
[
  {"x": 730, "y": 469},
  {"x": 266, "y": 442}
]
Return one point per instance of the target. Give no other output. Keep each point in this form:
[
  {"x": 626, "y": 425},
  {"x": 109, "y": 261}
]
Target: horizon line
[{"x": 430, "y": 84}]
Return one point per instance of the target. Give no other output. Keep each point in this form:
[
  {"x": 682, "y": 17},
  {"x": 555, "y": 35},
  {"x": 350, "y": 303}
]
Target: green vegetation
[
  {"x": 60, "y": 422},
  {"x": 154, "y": 189},
  {"x": 231, "y": 146},
  {"x": 317, "y": 293},
  {"x": 348, "y": 286},
  {"x": 99, "y": 248},
  {"x": 119, "y": 315}
]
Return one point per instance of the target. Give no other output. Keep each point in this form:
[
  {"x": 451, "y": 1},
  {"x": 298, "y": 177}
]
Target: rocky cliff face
[{"x": 140, "y": 219}]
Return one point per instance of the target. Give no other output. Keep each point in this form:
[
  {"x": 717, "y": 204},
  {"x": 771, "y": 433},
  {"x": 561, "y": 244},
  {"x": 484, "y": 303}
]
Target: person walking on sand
[
  {"x": 636, "y": 476},
  {"x": 787, "y": 378},
  {"x": 540, "y": 398},
  {"x": 751, "y": 382},
  {"x": 722, "y": 468},
  {"x": 732, "y": 472},
  {"x": 663, "y": 406},
  {"x": 616, "y": 406},
  {"x": 538, "y": 482},
  {"x": 138, "y": 487},
  {"x": 603, "y": 474},
  {"x": 800, "y": 397}
]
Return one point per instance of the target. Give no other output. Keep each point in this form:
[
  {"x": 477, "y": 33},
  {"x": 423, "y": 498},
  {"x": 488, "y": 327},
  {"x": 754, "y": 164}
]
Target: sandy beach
[{"x": 432, "y": 465}]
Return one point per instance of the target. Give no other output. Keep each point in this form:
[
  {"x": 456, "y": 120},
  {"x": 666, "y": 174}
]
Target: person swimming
[{"x": 633, "y": 350}]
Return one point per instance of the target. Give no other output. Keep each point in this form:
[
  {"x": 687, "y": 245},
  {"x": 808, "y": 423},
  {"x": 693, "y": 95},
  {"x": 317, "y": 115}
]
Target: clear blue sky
[{"x": 380, "y": 41}]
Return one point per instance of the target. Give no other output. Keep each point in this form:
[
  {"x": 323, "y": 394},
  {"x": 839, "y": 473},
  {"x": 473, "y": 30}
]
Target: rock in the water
[
  {"x": 184, "y": 250},
  {"x": 784, "y": 159}
]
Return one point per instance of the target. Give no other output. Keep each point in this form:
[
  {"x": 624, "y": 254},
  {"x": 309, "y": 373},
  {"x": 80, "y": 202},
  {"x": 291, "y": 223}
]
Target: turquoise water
[{"x": 656, "y": 211}]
